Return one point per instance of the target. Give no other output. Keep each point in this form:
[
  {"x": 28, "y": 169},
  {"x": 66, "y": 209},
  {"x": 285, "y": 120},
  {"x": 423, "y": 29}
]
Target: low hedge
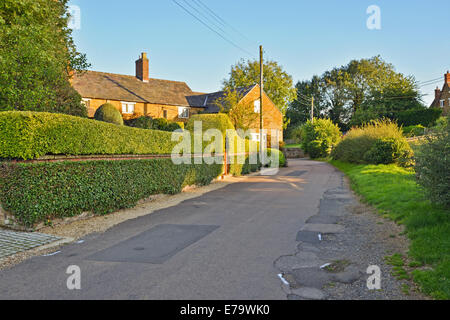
[
  {"x": 30, "y": 135},
  {"x": 37, "y": 192},
  {"x": 211, "y": 121},
  {"x": 320, "y": 137}
]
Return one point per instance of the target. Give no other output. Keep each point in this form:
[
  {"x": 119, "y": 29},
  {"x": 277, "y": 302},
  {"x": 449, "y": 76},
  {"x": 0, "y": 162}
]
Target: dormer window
[{"x": 257, "y": 106}]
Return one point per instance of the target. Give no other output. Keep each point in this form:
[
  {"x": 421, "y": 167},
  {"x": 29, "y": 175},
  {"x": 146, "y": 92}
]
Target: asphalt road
[{"x": 221, "y": 245}]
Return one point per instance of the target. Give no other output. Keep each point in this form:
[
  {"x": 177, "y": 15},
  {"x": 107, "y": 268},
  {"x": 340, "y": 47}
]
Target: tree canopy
[
  {"x": 356, "y": 93},
  {"x": 278, "y": 84},
  {"x": 37, "y": 55}
]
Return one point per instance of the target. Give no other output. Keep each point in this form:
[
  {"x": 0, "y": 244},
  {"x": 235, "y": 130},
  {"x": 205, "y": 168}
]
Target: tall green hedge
[
  {"x": 30, "y": 135},
  {"x": 34, "y": 193},
  {"x": 425, "y": 116}
]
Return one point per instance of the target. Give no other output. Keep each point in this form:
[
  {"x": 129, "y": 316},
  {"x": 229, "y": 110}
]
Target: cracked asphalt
[{"x": 232, "y": 243}]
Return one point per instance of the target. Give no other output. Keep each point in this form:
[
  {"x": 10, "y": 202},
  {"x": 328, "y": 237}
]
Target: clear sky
[{"x": 305, "y": 37}]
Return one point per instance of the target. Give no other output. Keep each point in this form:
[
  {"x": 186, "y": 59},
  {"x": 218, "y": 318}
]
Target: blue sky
[{"x": 305, "y": 37}]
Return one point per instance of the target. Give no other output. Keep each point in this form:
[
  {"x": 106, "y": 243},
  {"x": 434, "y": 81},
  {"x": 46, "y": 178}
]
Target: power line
[
  {"x": 220, "y": 20},
  {"x": 206, "y": 17},
  {"x": 216, "y": 32}
]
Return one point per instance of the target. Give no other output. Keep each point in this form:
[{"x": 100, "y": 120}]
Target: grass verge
[{"x": 396, "y": 195}]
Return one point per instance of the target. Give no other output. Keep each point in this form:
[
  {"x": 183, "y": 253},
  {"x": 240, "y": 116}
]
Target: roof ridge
[{"x": 130, "y": 76}]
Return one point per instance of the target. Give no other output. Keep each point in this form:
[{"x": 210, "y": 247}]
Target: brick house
[
  {"x": 442, "y": 97},
  {"x": 140, "y": 95}
]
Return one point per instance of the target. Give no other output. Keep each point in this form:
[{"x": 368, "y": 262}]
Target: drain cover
[{"x": 156, "y": 245}]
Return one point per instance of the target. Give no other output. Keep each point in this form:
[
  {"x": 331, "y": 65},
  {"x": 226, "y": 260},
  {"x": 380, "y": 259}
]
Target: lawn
[
  {"x": 396, "y": 195},
  {"x": 293, "y": 146}
]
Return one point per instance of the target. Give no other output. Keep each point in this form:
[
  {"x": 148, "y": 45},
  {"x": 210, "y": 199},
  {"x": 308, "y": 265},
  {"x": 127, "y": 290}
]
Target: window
[
  {"x": 86, "y": 102},
  {"x": 183, "y": 113},
  {"x": 257, "y": 106},
  {"x": 165, "y": 114},
  {"x": 442, "y": 103},
  {"x": 128, "y": 107}
]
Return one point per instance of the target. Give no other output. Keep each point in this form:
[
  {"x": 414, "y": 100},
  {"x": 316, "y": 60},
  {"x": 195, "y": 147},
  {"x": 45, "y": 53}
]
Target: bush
[
  {"x": 30, "y": 135},
  {"x": 380, "y": 141},
  {"x": 320, "y": 137},
  {"x": 278, "y": 154},
  {"x": 414, "y": 131},
  {"x": 108, "y": 113},
  {"x": 165, "y": 125},
  {"x": 296, "y": 134},
  {"x": 432, "y": 167},
  {"x": 37, "y": 192},
  {"x": 424, "y": 116},
  {"x": 211, "y": 121},
  {"x": 141, "y": 122}
]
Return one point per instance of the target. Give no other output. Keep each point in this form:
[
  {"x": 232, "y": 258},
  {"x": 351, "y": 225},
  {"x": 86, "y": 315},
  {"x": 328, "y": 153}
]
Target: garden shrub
[
  {"x": 277, "y": 153},
  {"x": 414, "y": 131},
  {"x": 372, "y": 143},
  {"x": 218, "y": 121},
  {"x": 320, "y": 137},
  {"x": 108, "y": 113},
  {"x": 432, "y": 167},
  {"x": 143, "y": 122},
  {"x": 30, "y": 135},
  {"x": 37, "y": 192},
  {"x": 165, "y": 125}
]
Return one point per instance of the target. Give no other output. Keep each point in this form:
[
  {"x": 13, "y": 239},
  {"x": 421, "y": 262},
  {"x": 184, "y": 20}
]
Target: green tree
[
  {"x": 37, "y": 55},
  {"x": 278, "y": 84},
  {"x": 242, "y": 115}
]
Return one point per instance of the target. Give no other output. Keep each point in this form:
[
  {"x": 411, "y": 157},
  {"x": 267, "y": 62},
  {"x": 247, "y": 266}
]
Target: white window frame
[
  {"x": 184, "y": 112},
  {"x": 442, "y": 103},
  {"x": 128, "y": 107},
  {"x": 257, "y": 106},
  {"x": 86, "y": 102}
]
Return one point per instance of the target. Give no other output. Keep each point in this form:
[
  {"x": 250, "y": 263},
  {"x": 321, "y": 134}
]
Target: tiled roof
[
  {"x": 100, "y": 85},
  {"x": 209, "y": 100}
]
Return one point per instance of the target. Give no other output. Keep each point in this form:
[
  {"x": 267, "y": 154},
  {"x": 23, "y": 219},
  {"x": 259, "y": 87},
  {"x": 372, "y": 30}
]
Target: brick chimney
[
  {"x": 142, "y": 68},
  {"x": 447, "y": 78},
  {"x": 437, "y": 93}
]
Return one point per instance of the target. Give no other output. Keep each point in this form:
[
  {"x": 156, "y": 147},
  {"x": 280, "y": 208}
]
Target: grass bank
[{"x": 396, "y": 195}]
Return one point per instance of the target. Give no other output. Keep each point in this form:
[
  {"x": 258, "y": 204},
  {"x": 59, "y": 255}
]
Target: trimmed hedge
[
  {"x": 211, "y": 121},
  {"x": 165, "y": 125},
  {"x": 425, "y": 116},
  {"x": 30, "y": 135},
  {"x": 108, "y": 113},
  {"x": 143, "y": 122},
  {"x": 40, "y": 192}
]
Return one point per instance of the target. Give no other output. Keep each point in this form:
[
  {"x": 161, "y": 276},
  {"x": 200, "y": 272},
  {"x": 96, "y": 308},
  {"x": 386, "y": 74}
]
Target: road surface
[{"x": 221, "y": 245}]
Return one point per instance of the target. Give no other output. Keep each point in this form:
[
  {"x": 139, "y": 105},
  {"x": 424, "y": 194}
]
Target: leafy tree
[
  {"x": 299, "y": 111},
  {"x": 242, "y": 115},
  {"x": 362, "y": 90},
  {"x": 278, "y": 84},
  {"x": 37, "y": 55}
]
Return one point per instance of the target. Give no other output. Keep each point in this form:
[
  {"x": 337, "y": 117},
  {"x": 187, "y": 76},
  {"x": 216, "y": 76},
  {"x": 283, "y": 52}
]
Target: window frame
[
  {"x": 181, "y": 111},
  {"x": 127, "y": 104},
  {"x": 257, "y": 106}
]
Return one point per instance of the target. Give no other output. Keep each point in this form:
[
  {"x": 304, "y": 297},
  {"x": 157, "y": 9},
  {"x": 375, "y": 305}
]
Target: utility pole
[
  {"x": 261, "y": 87},
  {"x": 312, "y": 110}
]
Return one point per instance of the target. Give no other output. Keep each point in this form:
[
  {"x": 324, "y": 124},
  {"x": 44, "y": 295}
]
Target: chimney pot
[
  {"x": 447, "y": 78},
  {"x": 142, "y": 68}
]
